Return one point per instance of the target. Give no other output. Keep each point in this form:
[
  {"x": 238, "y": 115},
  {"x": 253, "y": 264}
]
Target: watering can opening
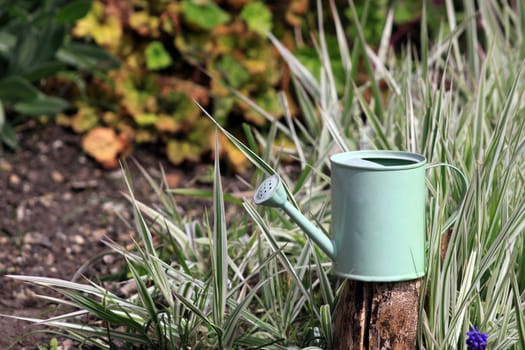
[
  {"x": 390, "y": 161},
  {"x": 378, "y": 160}
]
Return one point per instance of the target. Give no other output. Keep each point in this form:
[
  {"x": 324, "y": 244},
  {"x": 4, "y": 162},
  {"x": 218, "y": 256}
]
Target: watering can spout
[{"x": 271, "y": 193}]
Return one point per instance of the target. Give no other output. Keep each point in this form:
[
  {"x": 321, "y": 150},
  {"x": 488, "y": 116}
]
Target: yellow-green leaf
[
  {"x": 258, "y": 17},
  {"x": 236, "y": 74},
  {"x": 85, "y": 119},
  {"x": 145, "y": 119},
  {"x": 106, "y": 30},
  {"x": 166, "y": 123},
  {"x": 144, "y": 24},
  {"x": 206, "y": 16},
  {"x": 157, "y": 57}
]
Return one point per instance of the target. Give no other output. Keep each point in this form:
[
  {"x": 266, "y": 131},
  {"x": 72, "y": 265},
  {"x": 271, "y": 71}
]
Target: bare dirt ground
[{"x": 56, "y": 205}]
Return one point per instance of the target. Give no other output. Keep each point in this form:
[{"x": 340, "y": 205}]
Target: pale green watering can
[{"x": 378, "y": 214}]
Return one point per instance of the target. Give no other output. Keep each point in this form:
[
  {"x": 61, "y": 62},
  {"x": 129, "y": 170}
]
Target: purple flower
[{"x": 476, "y": 340}]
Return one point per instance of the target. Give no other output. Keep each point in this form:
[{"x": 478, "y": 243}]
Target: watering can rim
[{"x": 342, "y": 159}]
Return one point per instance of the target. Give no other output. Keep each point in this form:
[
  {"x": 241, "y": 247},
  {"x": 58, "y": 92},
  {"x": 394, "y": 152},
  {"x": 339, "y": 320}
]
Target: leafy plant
[
  {"x": 34, "y": 46},
  {"x": 174, "y": 53}
]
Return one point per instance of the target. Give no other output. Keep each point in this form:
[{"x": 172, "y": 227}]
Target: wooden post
[{"x": 373, "y": 315}]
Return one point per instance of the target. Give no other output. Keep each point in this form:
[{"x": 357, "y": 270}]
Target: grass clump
[{"x": 257, "y": 282}]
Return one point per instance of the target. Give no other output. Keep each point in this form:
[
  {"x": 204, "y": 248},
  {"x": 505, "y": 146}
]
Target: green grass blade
[
  {"x": 289, "y": 121},
  {"x": 88, "y": 332},
  {"x": 238, "y": 311},
  {"x": 148, "y": 303},
  {"x": 341, "y": 39},
  {"x": 178, "y": 235},
  {"x": 521, "y": 28},
  {"x": 197, "y": 311},
  {"x": 326, "y": 325},
  {"x": 424, "y": 39},
  {"x": 308, "y": 111},
  {"x": 326, "y": 288},
  {"x": 472, "y": 37},
  {"x": 375, "y": 122},
  {"x": 519, "y": 311},
  {"x": 220, "y": 249}
]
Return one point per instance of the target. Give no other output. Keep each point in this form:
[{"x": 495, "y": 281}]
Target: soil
[{"x": 56, "y": 207}]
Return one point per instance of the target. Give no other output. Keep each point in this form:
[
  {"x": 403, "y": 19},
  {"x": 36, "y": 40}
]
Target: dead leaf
[
  {"x": 237, "y": 3},
  {"x": 63, "y": 120},
  {"x": 118, "y": 8},
  {"x": 5, "y": 166},
  {"x": 295, "y": 12},
  {"x": 57, "y": 176},
  {"x": 103, "y": 144},
  {"x": 173, "y": 180},
  {"x": 126, "y": 144}
]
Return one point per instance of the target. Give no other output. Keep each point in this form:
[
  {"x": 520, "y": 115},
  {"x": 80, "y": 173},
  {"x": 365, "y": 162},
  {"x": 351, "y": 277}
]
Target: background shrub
[
  {"x": 175, "y": 53},
  {"x": 35, "y": 48}
]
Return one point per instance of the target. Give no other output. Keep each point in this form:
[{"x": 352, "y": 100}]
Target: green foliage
[
  {"x": 311, "y": 60},
  {"x": 406, "y": 17},
  {"x": 235, "y": 74},
  {"x": 258, "y": 17},
  {"x": 176, "y": 52},
  {"x": 156, "y": 56},
  {"x": 73, "y": 11},
  {"x": 207, "y": 15},
  {"x": 34, "y": 46}
]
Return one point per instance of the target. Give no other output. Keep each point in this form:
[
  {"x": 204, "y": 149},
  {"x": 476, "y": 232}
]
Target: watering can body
[
  {"x": 378, "y": 205},
  {"x": 378, "y": 215}
]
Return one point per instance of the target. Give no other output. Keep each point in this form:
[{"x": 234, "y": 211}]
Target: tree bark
[{"x": 373, "y": 315}]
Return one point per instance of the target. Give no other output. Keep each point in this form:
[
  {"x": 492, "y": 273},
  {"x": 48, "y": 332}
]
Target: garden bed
[{"x": 57, "y": 205}]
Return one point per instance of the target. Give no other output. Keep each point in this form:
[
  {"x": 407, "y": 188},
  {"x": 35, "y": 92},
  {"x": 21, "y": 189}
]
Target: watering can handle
[{"x": 464, "y": 186}]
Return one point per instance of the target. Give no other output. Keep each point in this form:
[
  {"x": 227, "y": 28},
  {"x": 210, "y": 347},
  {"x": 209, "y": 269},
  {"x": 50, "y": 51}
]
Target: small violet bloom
[{"x": 476, "y": 340}]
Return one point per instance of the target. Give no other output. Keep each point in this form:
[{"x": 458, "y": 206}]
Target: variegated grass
[{"x": 464, "y": 108}]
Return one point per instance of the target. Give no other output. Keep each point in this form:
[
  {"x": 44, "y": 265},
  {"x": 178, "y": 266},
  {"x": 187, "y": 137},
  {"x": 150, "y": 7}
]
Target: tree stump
[{"x": 372, "y": 315}]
